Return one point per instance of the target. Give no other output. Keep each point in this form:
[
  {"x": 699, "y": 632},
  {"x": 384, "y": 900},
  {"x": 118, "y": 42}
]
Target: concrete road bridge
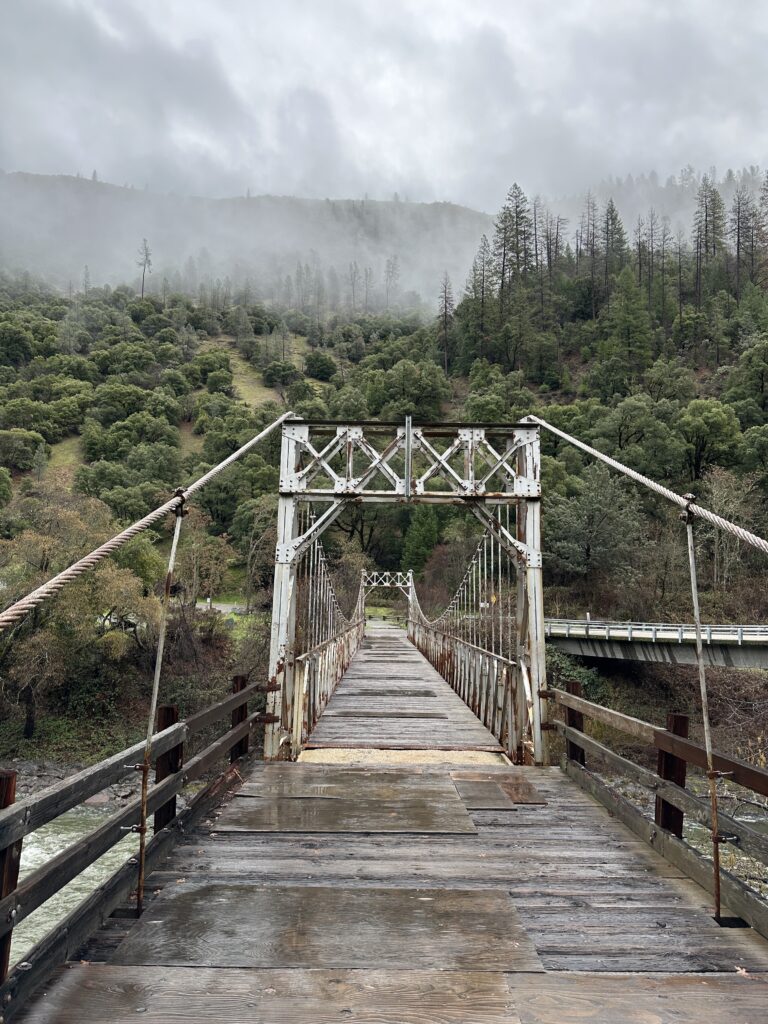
[
  {"x": 376, "y": 830},
  {"x": 725, "y": 646}
]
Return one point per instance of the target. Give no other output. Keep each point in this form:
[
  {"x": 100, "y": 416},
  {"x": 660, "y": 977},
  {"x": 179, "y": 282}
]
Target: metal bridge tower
[{"x": 488, "y": 469}]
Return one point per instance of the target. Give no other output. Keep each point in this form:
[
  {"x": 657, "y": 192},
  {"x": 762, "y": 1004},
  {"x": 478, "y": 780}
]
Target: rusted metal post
[
  {"x": 10, "y": 859},
  {"x": 239, "y": 715},
  {"x": 146, "y": 763},
  {"x": 712, "y": 775},
  {"x": 672, "y": 769},
  {"x": 574, "y": 720},
  {"x": 167, "y": 764}
]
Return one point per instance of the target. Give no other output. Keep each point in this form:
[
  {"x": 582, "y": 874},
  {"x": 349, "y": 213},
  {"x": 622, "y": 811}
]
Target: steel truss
[
  {"x": 402, "y": 581},
  {"x": 332, "y": 465}
]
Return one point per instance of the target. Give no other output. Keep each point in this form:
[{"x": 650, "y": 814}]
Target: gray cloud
[{"x": 434, "y": 100}]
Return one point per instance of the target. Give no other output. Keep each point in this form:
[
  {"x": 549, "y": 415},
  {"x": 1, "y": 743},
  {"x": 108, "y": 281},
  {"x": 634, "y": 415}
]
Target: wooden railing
[
  {"x": 19, "y": 819},
  {"x": 673, "y": 800}
]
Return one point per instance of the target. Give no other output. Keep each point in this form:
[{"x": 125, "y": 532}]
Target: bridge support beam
[
  {"x": 283, "y": 632},
  {"x": 531, "y": 621}
]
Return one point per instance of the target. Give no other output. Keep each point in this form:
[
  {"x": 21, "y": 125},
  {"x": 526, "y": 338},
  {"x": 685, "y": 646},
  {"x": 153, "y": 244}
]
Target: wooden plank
[
  {"x": 167, "y": 764},
  {"x": 332, "y": 712},
  {"x": 63, "y": 941},
  {"x": 624, "y": 723},
  {"x": 483, "y": 796},
  {"x": 10, "y": 862},
  {"x": 243, "y": 925},
  {"x": 513, "y": 785},
  {"x": 29, "y": 814},
  {"x": 394, "y": 691},
  {"x": 671, "y": 769},
  {"x": 286, "y": 783},
  {"x": 416, "y": 744},
  {"x": 158, "y": 995},
  {"x": 747, "y": 775},
  {"x": 596, "y": 999},
  {"x": 319, "y": 814}
]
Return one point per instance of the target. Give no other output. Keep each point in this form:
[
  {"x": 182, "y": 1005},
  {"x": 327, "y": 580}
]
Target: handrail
[
  {"x": 741, "y": 772},
  {"x": 673, "y": 800},
  {"x": 21, "y": 899}
]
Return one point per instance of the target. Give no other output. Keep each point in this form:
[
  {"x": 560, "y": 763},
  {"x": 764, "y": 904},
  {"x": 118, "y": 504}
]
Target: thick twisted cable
[
  {"x": 665, "y": 492},
  {"x": 15, "y": 612}
]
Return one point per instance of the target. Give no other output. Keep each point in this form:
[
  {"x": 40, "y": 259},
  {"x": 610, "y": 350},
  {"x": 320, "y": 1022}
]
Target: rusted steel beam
[
  {"x": 10, "y": 859},
  {"x": 167, "y": 764},
  {"x": 672, "y": 769},
  {"x": 240, "y": 749},
  {"x": 575, "y": 720}
]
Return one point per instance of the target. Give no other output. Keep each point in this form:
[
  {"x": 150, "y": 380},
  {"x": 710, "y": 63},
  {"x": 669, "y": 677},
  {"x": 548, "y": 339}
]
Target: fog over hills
[{"x": 56, "y": 225}]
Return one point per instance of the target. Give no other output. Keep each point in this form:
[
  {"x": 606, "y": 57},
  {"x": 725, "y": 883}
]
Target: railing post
[
  {"x": 10, "y": 859},
  {"x": 574, "y": 720},
  {"x": 672, "y": 769},
  {"x": 239, "y": 715},
  {"x": 167, "y": 764}
]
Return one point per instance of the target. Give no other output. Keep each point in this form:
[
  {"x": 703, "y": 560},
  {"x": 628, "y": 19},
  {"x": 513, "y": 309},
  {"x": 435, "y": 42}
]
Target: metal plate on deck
[
  {"x": 512, "y": 785},
  {"x": 247, "y": 925},
  {"x": 320, "y": 814}
]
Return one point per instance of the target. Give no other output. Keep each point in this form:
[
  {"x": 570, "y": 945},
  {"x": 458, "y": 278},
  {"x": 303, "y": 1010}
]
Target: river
[{"x": 44, "y": 844}]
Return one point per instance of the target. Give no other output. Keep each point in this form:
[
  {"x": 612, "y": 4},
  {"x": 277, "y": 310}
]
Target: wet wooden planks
[
  {"x": 371, "y": 801},
  {"x": 392, "y": 698},
  {"x": 599, "y": 999},
  {"x": 161, "y": 995},
  {"x": 414, "y": 895},
  {"x": 240, "y": 924},
  {"x": 592, "y": 896},
  {"x": 377, "y": 927}
]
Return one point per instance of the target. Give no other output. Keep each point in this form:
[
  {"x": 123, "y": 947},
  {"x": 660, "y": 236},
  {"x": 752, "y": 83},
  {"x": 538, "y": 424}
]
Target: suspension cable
[
  {"x": 665, "y": 492},
  {"x": 15, "y": 612}
]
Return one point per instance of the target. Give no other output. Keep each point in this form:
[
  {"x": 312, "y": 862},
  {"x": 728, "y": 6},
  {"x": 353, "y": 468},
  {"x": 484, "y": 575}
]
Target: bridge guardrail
[
  {"x": 316, "y": 674},
  {"x": 654, "y": 632},
  {"x": 18, "y": 819},
  {"x": 673, "y": 800},
  {"x": 485, "y": 681}
]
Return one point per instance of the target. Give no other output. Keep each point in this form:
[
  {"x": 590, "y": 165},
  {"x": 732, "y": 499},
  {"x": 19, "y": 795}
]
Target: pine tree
[
  {"x": 628, "y": 323},
  {"x": 502, "y": 245},
  {"x": 445, "y": 317},
  {"x": 741, "y": 227},
  {"x": 420, "y": 538},
  {"x": 614, "y": 245}
]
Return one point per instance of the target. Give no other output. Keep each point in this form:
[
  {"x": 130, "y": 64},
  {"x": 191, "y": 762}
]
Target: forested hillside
[{"x": 648, "y": 343}]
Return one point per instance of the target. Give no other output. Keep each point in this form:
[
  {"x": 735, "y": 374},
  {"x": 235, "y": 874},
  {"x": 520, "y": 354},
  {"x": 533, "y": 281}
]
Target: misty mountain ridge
[{"x": 56, "y": 225}]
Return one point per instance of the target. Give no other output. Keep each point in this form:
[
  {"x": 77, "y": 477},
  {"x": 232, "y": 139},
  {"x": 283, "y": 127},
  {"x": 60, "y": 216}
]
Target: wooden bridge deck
[
  {"x": 412, "y": 894},
  {"x": 392, "y": 698}
]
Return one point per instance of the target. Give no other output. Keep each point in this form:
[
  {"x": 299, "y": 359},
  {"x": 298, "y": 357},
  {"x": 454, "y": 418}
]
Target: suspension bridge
[{"x": 405, "y": 850}]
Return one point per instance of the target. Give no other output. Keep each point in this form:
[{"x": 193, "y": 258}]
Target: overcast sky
[{"x": 434, "y": 99}]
